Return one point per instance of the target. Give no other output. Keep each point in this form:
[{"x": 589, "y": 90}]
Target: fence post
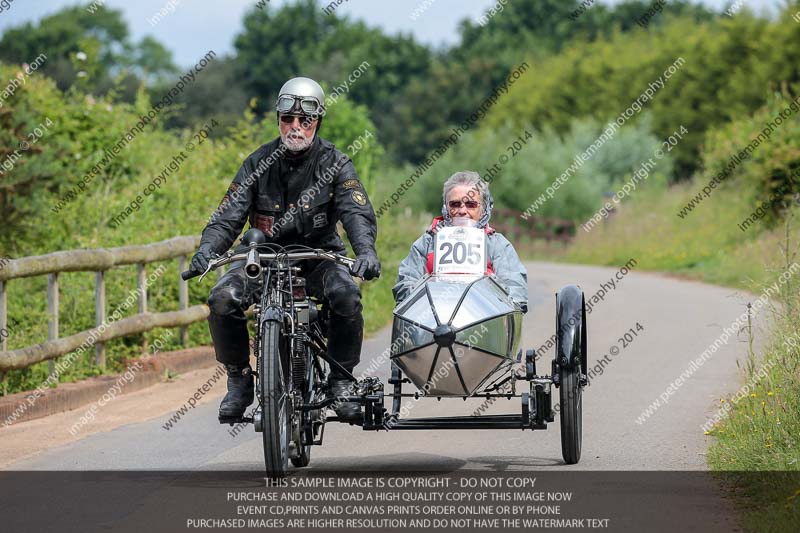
[
  {"x": 141, "y": 286},
  {"x": 3, "y": 326},
  {"x": 183, "y": 298},
  {"x": 3, "y": 316},
  {"x": 52, "y": 312},
  {"x": 141, "y": 289},
  {"x": 100, "y": 316}
]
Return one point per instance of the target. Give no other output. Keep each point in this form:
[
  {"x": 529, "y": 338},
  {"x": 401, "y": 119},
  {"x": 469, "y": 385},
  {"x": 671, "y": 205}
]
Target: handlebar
[{"x": 256, "y": 259}]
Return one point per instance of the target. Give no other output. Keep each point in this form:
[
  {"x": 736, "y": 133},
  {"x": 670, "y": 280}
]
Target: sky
[{"x": 196, "y": 26}]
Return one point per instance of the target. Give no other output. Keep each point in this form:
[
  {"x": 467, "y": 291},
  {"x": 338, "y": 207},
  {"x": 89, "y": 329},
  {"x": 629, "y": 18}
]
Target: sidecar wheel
[
  {"x": 571, "y": 362},
  {"x": 571, "y": 416}
]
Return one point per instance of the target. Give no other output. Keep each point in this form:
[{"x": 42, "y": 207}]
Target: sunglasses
[
  {"x": 470, "y": 204},
  {"x": 305, "y": 104},
  {"x": 305, "y": 122}
]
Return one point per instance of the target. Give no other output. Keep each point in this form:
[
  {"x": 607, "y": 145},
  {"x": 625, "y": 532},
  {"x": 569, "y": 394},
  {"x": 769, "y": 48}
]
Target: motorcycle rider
[
  {"x": 466, "y": 195},
  {"x": 294, "y": 189}
]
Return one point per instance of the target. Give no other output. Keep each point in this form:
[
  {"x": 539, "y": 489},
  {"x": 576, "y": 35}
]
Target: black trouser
[{"x": 326, "y": 280}]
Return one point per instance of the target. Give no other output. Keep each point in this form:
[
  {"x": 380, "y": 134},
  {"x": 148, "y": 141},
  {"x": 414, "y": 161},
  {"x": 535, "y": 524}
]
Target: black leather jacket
[{"x": 322, "y": 188}]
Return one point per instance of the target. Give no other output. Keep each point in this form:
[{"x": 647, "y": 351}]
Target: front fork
[{"x": 265, "y": 311}]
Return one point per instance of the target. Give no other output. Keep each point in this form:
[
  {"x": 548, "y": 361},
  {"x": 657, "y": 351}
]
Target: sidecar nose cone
[
  {"x": 444, "y": 335},
  {"x": 453, "y": 332}
]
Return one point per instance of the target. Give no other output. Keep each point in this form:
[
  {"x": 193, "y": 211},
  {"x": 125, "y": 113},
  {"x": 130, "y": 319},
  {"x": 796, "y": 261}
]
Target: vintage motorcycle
[
  {"x": 290, "y": 347},
  {"x": 452, "y": 335}
]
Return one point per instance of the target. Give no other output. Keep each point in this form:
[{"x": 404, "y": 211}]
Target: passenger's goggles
[
  {"x": 456, "y": 204},
  {"x": 298, "y": 104}
]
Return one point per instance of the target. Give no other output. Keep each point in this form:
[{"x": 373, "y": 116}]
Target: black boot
[
  {"x": 240, "y": 391},
  {"x": 348, "y": 411}
]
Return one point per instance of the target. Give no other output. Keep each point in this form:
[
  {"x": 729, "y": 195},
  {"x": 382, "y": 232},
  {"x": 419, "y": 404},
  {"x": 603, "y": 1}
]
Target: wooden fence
[
  {"x": 98, "y": 261},
  {"x": 510, "y": 223}
]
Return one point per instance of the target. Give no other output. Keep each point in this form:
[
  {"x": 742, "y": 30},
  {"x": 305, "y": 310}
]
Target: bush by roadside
[{"x": 81, "y": 130}]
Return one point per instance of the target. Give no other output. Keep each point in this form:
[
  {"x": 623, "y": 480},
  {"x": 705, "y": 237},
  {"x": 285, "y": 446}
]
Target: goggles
[{"x": 308, "y": 105}]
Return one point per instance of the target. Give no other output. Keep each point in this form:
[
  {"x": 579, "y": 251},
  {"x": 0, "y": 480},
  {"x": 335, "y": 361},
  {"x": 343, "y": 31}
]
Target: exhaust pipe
[{"x": 252, "y": 267}]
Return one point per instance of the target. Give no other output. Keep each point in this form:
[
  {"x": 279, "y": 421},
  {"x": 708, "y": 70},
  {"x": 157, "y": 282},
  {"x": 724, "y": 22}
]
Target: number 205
[{"x": 458, "y": 253}]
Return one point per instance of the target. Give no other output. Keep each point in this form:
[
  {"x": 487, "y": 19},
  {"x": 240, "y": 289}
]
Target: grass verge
[{"x": 756, "y": 431}]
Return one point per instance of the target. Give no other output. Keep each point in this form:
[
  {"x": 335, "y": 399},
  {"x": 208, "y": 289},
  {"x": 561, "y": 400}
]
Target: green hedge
[{"x": 83, "y": 127}]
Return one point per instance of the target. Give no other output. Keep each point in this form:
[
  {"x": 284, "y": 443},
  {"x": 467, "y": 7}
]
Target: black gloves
[
  {"x": 366, "y": 266},
  {"x": 200, "y": 260}
]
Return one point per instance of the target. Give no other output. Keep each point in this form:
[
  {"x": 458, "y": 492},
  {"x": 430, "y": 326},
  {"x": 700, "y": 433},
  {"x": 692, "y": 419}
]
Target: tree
[
  {"x": 430, "y": 105},
  {"x": 276, "y": 44},
  {"x": 490, "y": 48},
  {"x": 216, "y": 93},
  {"x": 536, "y": 28},
  {"x": 102, "y": 36},
  {"x": 152, "y": 60},
  {"x": 300, "y": 39}
]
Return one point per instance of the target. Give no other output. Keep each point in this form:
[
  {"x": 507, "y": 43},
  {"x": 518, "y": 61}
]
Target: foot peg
[
  {"x": 346, "y": 411},
  {"x": 231, "y": 420}
]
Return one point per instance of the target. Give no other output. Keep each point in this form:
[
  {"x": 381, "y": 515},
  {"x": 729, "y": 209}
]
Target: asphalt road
[{"x": 677, "y": 321}]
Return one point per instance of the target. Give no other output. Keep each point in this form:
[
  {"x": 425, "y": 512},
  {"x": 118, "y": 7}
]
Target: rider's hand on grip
[
  {"x": 366, "y": 266},
  {"x": 200, "y": 261}
]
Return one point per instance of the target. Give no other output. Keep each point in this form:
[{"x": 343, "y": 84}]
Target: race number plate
[{"x": 459, "y": 250}]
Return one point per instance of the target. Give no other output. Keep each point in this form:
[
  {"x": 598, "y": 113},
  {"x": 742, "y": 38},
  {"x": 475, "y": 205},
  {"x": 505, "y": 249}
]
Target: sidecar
[
  {"x": 457, "y": 336},
  {"x": 452, "y": 334}
]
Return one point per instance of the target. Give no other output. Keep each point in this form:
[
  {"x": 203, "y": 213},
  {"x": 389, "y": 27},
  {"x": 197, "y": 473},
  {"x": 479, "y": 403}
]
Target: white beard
[{"x": 296, "y": 141}]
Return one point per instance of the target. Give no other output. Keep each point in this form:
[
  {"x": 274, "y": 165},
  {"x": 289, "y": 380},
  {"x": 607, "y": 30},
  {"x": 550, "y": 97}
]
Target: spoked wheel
[
  {"x": 571, "y": 362},
  {"x": 275, "y": 400},
  {"x": 302, "y": 432},
  {"x": 571, "y": 416}
]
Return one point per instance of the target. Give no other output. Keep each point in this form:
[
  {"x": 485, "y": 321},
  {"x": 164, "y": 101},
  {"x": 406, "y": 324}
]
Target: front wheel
[{"x": 274, "y": 397}]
